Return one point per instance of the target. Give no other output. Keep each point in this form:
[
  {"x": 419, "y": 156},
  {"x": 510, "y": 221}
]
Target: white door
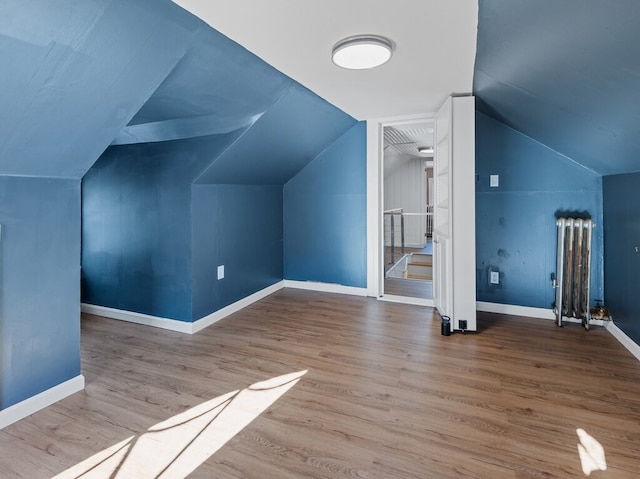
[
  {"x": 454, "y": 222},
  {"x": 442, "y": 210}
]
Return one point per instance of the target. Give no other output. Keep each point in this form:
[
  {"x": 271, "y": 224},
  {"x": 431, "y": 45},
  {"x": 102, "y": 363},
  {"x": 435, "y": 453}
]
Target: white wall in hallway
[{"x": 406, "y": 188}]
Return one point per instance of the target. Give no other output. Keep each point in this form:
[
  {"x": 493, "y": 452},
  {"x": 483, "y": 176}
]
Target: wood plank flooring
[
  {"x": 403, "y": 287},
  {"x": 385, "y": 396},
  {"x": 411, "y": 288}
]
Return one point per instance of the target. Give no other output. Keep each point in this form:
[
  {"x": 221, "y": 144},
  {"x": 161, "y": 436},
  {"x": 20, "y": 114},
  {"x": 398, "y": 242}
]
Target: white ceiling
[
  {"x": 401, "y": 143},
  {"x": 434, "y": 57}
]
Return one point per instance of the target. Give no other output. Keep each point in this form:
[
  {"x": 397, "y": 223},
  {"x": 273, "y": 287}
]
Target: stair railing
[{"x": 392, "y": 213}]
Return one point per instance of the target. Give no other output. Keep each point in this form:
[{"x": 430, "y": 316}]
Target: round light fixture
[
  {"x": 425, "y": 150},
  {"x": 361, "y": 52}
]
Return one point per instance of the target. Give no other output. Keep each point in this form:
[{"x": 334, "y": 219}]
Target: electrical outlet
[
  {"x": 220, "y": 272},
  {"x": 494, "y": 181},
  {"x": 462, "y": 324},
  {"x": 495, "y": 277}
]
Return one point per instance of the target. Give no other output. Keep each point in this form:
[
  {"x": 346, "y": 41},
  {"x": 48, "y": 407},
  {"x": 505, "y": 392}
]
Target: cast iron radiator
[{"x": 573, "y": 269}]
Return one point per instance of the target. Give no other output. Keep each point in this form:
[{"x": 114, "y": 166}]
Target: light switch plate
[
  {"x": 221, "y": 272},
  {"x": 494, "y": 181}
]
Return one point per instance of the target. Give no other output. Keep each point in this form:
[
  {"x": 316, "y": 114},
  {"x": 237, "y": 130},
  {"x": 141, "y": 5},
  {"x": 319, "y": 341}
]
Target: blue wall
[
  {"x": 325, "y": 231},
  {"x": 622, "y": 260},
  {"x": 39, "y": 286},
  {"x": 240, "y": 227},
  {"x": 136, "y": 225},
  {"x": 515, "y": 223}
]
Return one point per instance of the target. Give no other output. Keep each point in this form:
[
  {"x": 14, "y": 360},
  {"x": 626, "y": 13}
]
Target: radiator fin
[{"x": 573, "y": 269}]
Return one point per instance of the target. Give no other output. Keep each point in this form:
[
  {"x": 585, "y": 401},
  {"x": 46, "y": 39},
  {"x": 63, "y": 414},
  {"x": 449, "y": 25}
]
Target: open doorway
[{"x": 407, "y": 191}]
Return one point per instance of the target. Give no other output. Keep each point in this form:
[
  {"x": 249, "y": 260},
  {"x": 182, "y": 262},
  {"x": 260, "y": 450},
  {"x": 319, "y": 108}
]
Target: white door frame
[{"x": 375, "y": 239}]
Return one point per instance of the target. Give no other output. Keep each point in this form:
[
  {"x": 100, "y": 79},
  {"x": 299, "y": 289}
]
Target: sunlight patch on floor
[
  {"x": 591, "y": 453},
  {"x": 175, "y": 448}
]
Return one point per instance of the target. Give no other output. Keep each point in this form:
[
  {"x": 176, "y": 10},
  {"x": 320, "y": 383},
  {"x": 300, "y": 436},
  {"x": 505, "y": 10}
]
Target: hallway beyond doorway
[{"x": 413, "y": 288}]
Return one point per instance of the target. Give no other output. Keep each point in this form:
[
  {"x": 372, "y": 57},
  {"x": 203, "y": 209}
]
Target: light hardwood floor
[
  {"x": 412, "y": 288},
  {"x": 385, "y": 396},
  {"x": 407, "y": 287}
]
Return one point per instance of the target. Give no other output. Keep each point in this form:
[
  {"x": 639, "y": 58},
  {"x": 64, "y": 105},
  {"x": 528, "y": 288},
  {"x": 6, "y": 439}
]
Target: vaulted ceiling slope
[
  {"x": 219, "y": 87},
  {"x": 566, "y": 74},
  {"x": 74, "y": 73},
  {"x": 281, "y": 142},
  {"x": 78, "y": 77}
]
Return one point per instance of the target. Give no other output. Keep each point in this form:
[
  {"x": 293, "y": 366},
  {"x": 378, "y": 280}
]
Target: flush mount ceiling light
[
  {"x": 361, "y": 52},
  {"x": 425, "y": 150}
]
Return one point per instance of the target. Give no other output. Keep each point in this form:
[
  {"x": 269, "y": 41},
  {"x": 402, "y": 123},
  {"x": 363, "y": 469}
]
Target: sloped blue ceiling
[
  {"x": 281, "y": 142},
  {"x": 566, "y": 74},
  {"x": 220, "y": 87},
  {"x": 79, "y": 77},
  {"x": 75, "y": 73},
  {"x": 217, "y": 76}
]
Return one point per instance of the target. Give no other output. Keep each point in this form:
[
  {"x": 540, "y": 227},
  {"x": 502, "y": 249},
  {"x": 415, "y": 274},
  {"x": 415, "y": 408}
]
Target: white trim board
[
  {"x": 543, "y": 313},
  {"x": 515, "y": 310},
  {"x": 530, "y": 312},
  {"x": 40, "y": 401},
  {"x": 200, "y": 324},
  {"x": 392, "y": 298},
  {"x": 375, "y": 261},
  {"x": 325, "y": 287},
  {"x": 174, "y": 324},
  {"x": 138, "y": 318},
  {"x": 216, "y": 316},
  {"x": 192, "y": 328},
  {"x": 374, "y": 208}
]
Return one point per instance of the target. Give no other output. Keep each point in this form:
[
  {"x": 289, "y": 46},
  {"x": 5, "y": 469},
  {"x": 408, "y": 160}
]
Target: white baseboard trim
[
  {"x": 623, "y": 339},
  {"x": 325, "y": 287},
  {"x": 198, "y": 325},
  {"x": 40, "y": 401},
  {"x": 180, "y": 326},
  {"x": 392, "y": 298},
  {"x": 530, "y": 312},
  {"x": 216, "y": 316},
  {"x": 138, "y": 318},
  {"x": 515, "y": 310}
]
